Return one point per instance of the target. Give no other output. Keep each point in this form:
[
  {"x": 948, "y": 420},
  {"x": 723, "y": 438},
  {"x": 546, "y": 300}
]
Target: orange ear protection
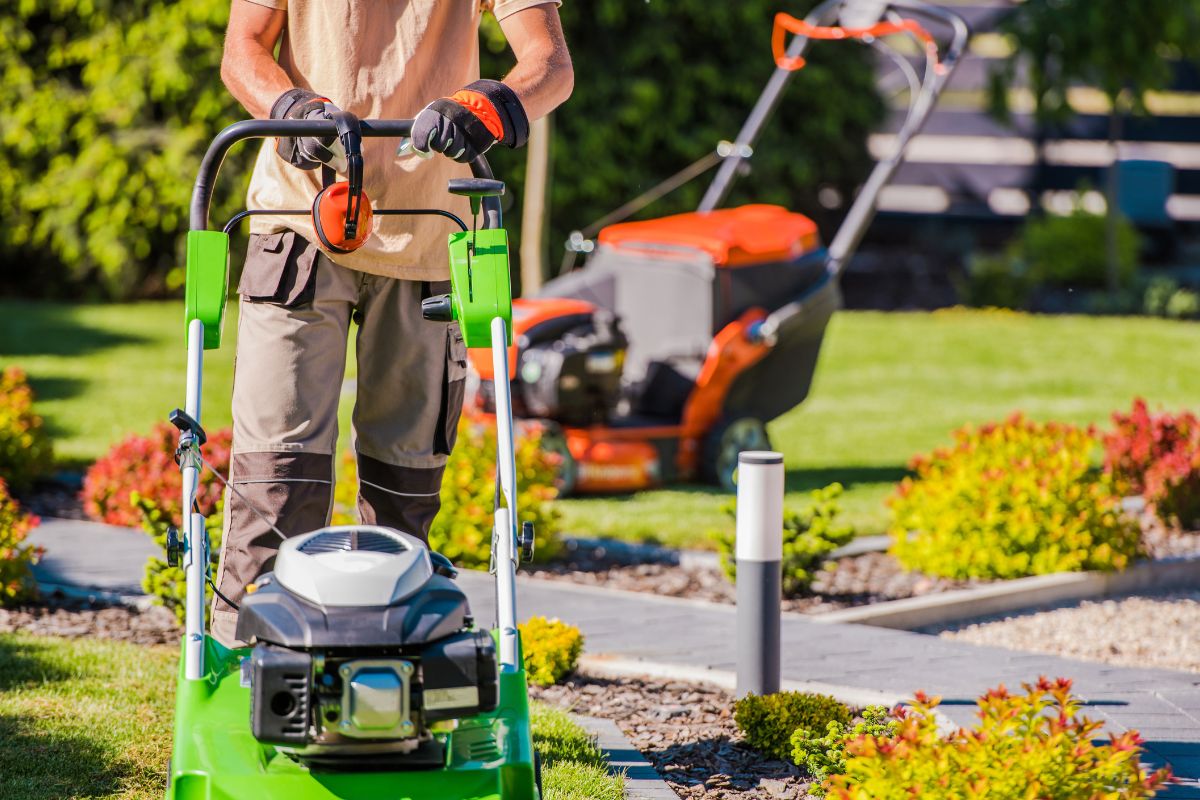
[{"x": 341, "y": 212}]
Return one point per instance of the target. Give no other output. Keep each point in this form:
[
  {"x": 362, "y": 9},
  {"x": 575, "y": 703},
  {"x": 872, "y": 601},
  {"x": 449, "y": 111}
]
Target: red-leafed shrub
[
  {"x": 16, "y": 557},
  {"x": 25, "y": 452},
  {"x": 146, "y": 465},
  {"x": 1159, "y": 456}
]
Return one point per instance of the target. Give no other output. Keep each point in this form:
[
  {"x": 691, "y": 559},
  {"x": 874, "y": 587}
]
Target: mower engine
[{"x": 364, "y": 648}]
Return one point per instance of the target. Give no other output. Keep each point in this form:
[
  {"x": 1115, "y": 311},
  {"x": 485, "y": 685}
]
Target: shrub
[
  {"x": 996, "y": 281},
  {"x": 164, "y": 583},
  {"x": 16, "y": 557},
  {"x": 551, "y": 649},
  {"x": 145, "y": 465},
  {"x": 809, "y": 536},
  {"x": 462, "y": 530},
  {"x": 1159, "y": 456},
  {"x": 768, "y": 721},
  {"x": 1030, "y": 745},
  {"x": 1070, "y": 250},
  {"x": 823, "y": 756},
  {"x": 25, "y": 451},
  {"x": 1008, "y": 500}
]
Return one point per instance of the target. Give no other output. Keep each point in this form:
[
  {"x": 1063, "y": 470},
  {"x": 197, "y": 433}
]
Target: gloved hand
[
  {"x": 307, "y": 152},
  {"x": 467, "y": 123}
]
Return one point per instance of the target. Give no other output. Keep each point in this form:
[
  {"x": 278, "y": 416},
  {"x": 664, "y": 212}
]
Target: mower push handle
[{"x": 261, "y": 128}]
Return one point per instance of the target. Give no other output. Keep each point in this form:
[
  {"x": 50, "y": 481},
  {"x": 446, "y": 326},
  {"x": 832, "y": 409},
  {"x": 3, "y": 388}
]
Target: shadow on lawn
[
  {"x": 805, "y": 480},
  {"x": 24, "y": 662},
  {"x": 50, "y": 765},
  {"x": 44, "y": 329}
]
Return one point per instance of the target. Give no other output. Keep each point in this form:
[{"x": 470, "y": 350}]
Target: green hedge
[{"x": 108, "y": 107}]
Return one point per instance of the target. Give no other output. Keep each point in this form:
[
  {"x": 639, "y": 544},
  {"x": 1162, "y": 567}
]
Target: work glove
[
  {"x": 466, "y": 124},
  {"x": 307, "y": 152}
]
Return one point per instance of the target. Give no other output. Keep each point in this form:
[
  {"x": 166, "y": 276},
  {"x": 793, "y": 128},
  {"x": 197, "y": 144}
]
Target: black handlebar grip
[{"x": 439, "y": 308}]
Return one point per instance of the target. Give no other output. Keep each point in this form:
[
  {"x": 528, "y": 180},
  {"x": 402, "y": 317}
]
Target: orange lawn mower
[{"x": 681, "y": 337}]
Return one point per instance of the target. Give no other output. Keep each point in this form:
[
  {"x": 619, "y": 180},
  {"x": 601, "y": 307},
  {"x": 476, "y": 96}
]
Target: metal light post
[{"x": 759, "y": 555}]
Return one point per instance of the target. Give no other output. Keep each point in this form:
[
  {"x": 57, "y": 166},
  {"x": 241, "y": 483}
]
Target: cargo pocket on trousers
[
  {"x": 280, "y": 269},
  {"x": 454, "y": 387}
]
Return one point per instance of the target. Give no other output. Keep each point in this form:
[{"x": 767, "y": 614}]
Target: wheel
[
  {"x": 719, "y": 456},
  {"x": 555, "y": 441},
  {"x": 537, "y": 774}
]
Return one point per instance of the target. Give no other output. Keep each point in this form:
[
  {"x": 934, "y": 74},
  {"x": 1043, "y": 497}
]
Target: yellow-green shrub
[
  {"x": 16, "y": 557},
  {"x": 1012, "y": 499},
  {"x": 823, "y": 756},
  {"x": 551, "y": 648},
  {"x": 25, "y": 451},
  {"x": 768, "y": 721},
  {"x": 810, "y": 536},
  {"x": 1034, "y": 745},
  {"x": 462, "y": 530}
]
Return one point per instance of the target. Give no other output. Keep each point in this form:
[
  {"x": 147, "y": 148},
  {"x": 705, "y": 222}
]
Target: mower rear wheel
[
  {"x": 719, "y": 455},
  {"x": 555, "y": 441}
]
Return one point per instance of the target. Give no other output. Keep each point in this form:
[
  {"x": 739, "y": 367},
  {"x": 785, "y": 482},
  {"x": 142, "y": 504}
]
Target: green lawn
[
  {"x": 888, "y": 386},
  {"x": 92, "y": 719}
]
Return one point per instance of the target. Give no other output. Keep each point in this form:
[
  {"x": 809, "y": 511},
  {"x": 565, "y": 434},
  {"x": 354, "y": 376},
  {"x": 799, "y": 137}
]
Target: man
[{"x": 397, "y": 59}]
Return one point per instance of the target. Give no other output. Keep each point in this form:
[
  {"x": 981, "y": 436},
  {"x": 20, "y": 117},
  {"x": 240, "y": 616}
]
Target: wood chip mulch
[
  {"x": 59, "y": 616},
  {"x": 687, "y": 732}
]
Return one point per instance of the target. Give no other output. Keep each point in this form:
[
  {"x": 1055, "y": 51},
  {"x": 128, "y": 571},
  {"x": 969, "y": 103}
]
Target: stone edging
[
  {"x": 1019, "y": 594},
  {"x": 642, "y": 781}
]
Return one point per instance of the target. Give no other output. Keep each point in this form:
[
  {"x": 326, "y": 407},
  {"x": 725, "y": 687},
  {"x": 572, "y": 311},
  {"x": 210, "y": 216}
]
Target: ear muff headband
[{"x": 343, "y": 204}]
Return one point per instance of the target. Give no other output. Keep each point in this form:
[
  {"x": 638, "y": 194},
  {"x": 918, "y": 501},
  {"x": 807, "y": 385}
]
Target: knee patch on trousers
[{"x": 405, "y": 498}]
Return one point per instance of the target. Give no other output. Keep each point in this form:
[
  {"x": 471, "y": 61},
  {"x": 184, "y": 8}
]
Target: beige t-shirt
[{"x": 379, "y": 59}]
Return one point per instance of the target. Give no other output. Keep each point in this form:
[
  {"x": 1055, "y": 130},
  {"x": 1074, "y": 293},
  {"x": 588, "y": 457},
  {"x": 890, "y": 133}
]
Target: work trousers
[{"x": 294, "y": 322}]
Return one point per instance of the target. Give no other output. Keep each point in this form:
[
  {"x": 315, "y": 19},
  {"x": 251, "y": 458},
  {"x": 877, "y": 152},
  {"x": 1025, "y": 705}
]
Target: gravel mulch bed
[
  {"x": 58, "y": 616},
  {"x": 55, "y": 499},
  {"x": 851, "y": 581},
  {"x": 1140, "y": 631},
  {"x": 687, "y": 732}
]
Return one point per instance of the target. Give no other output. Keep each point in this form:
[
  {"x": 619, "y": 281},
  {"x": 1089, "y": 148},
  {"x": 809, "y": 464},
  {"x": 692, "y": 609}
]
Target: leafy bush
[
  {"x": 823, "y": 756},
  {"x": 145, "y": 465},
  {"x": 551, "y": 649},
  {"x": 462, "y": 530},
  {"x": 25, "y": 450},
  {"x": 1070, "y": 250},
  {"x": 768, "y": 721},
  {"x": 1030, "y": 745},
  {"x": 1159, "y": 456},
  {"x": 167, "y": 584},
  {"x": 809, "y": 536},
  {"x": 16, "y": 557},
  {"x": 995, "y": 281},
  {"x": 1008, "y": 500},
  {"x": 109, "y": 108},
  {"x": 1165, "y": 298}
]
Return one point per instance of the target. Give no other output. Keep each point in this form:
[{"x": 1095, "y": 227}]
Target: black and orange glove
[
  {"x": 305, "y": 152},
  {"x": 467, "y": 123}
]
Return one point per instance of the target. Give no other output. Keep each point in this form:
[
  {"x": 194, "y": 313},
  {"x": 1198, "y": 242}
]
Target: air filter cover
[{"x": 353, "y": 565}]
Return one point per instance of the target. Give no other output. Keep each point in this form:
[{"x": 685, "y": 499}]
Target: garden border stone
[
  {"x": 642, "y": 781},
  {"x": 1020, "y": 594}
]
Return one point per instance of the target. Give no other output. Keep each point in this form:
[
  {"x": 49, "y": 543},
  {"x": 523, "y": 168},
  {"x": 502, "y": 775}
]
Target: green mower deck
[{"x": 490, "y": 757}]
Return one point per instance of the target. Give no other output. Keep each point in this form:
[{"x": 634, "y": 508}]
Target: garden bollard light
[{"x": 759, "y": 555}]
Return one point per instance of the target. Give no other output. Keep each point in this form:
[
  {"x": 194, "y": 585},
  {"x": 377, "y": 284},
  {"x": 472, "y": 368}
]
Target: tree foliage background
[{"x": 109, "y": 105}]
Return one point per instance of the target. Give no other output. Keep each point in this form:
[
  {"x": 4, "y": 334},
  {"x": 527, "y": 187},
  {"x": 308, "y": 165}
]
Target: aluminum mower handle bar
[{"x": 261, "y": 128}]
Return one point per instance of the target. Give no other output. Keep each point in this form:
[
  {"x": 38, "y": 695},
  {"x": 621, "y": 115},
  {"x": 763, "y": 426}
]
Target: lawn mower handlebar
[{"x": 210, "y": 166}]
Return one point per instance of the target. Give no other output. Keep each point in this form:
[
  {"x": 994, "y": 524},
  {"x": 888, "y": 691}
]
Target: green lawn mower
[{"x": 366, "y": 676}]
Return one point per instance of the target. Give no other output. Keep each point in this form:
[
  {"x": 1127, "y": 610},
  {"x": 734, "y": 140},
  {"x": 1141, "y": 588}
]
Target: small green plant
[
  {"x": 1069, "y": 250},
  {"x": 551, "y": 648},
  {"x": 167, "y": 584},
  {"x": 1012, "y": 499},
  {"x": 16, "y": 557},
  {"x": 810, "y": 535},
  {"x": 1031, "y": 745},
  {"x": 25, "y": 450},
  {"x": 822, "y": 756},
  {"x": 768, "y": 721},
  {"x": 462, "y": 530},
  {"x": 996, "y": 281}
]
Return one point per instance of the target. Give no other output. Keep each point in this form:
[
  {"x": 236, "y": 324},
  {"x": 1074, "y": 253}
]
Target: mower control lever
[
  {"x": 526, "y": 541},
  {"x": 180, "y": 419},
  {"x": 174, "y": 547},
  {"x": 475, "y": 187},
  {"x": 439, "y": 308}
]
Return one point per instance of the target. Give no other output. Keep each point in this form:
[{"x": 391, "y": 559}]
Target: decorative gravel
[
  {"x": 687, "y": 732},
  {"x": 1143, "y": 631},
  {"x": 851, "y": 581},
  {"x": 56, "y": 616}
]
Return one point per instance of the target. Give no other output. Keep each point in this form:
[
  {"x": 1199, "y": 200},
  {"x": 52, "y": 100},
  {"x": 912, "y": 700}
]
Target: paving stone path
[{"x": 1163, "y": 705}]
